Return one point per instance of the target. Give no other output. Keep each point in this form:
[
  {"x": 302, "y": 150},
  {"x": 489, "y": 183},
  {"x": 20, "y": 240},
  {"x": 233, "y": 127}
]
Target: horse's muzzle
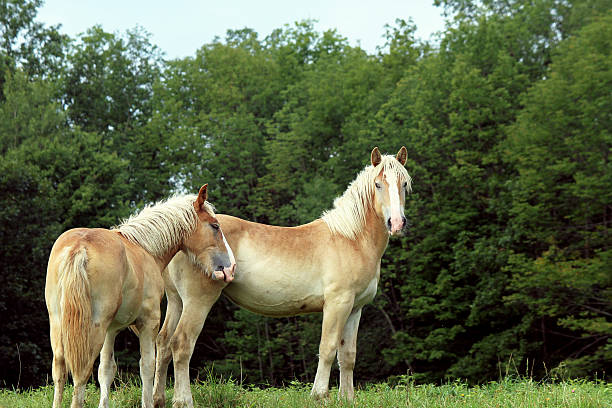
[
  {"x": 224, "y": 269},
  {"x": 396, "y": 225},
  {"x": 227, "y": 274}
]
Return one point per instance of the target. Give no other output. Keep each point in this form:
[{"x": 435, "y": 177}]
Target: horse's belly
[
  {"x": 126, "y": 306},
  {"x": 285, "y": 297},
  {"x": 127, "y": 313}
]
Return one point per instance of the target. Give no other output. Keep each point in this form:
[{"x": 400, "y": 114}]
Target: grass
[{"x": 221, "y": 393}]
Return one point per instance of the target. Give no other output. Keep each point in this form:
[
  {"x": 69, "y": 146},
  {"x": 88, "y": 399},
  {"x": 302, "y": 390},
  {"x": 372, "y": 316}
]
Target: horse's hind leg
[
  {"x": 80, "y": 377},
  {"x": 107, "y": 368},
  {"x": 347, "y": 352},
  {"x": 335, "y": 315},
  {"x": 59, "y": 379},
  {"x": 80, "y": 381},
  {"x": 148, "y": 327},
  {"x": 164, "y": 353},
  {"x": 59, "y": 370}
]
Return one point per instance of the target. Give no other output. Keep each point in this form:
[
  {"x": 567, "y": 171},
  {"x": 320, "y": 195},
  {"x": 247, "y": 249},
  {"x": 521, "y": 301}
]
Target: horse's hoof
[
  {"x": 182, "y": 404},
  {"x": 319, "y": 395}
]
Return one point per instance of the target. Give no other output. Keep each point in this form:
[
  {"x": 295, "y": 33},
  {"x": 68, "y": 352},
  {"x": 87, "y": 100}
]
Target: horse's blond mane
[
  {"x": 162, "y": 226},
  {"x": 348, "y": 217}
]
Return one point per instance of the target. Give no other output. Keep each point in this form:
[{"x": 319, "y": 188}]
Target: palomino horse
[
  {"x": 100, "y": 281},
  {"x": 331, "y": 265}
]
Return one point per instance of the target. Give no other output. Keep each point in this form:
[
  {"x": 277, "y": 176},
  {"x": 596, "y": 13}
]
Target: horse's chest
[{"x": 367, "y": 295}]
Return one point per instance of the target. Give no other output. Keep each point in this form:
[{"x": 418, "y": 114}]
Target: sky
[{"x": 180, "y": 27}]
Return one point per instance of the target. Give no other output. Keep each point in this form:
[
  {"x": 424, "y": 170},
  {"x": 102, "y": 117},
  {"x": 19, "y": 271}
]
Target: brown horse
[
  {"x": 100, "y": 281},
  {"x": 331, "y": 265}
]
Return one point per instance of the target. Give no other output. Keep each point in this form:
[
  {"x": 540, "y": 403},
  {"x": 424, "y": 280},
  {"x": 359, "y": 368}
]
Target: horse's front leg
[
  {"x": 335, "y": 314},
  {"x": 164, "y": 353},
  {"x": 347, "y": 353},
  {"x": 195, "y": 311}
]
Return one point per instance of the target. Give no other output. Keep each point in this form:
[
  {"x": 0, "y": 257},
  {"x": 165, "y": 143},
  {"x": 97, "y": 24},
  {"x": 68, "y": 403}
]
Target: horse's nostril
[
  {"x": 389, "y": 222},
  {"x": 403, "y": 221}
]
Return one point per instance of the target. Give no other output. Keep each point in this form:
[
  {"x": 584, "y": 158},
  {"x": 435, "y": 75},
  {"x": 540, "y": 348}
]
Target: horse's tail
[{"x": 75, "y": 309}]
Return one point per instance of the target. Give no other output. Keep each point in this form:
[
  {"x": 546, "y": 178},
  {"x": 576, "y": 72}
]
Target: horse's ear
[
  {"x": 402, "y": 155},
  {"x": 202, "y": 197},
  {"x": 375, "y": 157}
]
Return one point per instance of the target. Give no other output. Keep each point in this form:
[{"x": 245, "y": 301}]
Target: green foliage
[
  {"x": 53, "y": 180},
  {"x": 270, "y": 351},
  {"x": 318, "y": 133},
  {"x": 108, "y": 89},
  {"x": 508, "y": 127},
  {"x": 561, "y": 201},
  {"x": 28, "y": 44},
  {"x": 108, "y": 85}
]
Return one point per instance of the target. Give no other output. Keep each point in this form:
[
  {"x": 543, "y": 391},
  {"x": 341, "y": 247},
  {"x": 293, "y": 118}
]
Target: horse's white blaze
[
  {"x": 229, "y": 250},
  {"x": 395, "y": 208}
]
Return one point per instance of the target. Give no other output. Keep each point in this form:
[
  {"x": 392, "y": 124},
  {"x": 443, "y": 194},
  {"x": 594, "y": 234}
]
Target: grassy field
[{"x": 508, "y": 393}]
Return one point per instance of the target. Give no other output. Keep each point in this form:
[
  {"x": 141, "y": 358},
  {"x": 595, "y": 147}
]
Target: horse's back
[
  {"x": 104, "y": 248},
  {"x": 105, "y": 262}
]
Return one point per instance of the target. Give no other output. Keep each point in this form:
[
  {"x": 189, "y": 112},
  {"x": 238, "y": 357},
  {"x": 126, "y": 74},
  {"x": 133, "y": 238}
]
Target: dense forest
[{"x": 507, "y": 117}]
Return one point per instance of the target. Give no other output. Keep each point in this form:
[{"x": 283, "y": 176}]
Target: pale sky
[{"x": 180, "y": 27}]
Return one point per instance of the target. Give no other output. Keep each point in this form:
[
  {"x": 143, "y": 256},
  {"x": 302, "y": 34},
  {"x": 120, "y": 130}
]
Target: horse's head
[
  {"x": 207, "y": 246},
  {"x": 390, "y": 185}
]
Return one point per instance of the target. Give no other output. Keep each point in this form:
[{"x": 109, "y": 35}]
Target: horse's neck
[
  {"x": 374, "y": 233},
  {"x": 165, "y": 259},
  {"x": 137, "y": 250}
]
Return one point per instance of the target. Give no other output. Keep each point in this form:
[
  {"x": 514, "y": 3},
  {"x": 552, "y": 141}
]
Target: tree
[
  {"x": 561, "y": 204},
  {"x": 28, "y": 44},
  {"x": 53, "y": 178},
  {"x": 108, "y": 86},
  {"x": 320, "y": 129},
  {"x": 108, "y": 89},
  {"x": 451, "y": 110},
  {"x": 26, "y": 111}
]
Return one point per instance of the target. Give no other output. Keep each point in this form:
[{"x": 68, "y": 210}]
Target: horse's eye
[
  {"x": 215, "y": 226},
  {"x": 377, "y": 184},
  {"x": 405, "y": 185}
]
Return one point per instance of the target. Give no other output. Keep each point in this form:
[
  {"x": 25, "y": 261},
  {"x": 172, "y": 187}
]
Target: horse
[
  {"x": 331, "y": 265},
  {"x": 100, "y": 281}
]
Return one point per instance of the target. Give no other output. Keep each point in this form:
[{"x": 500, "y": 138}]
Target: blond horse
[
  {"x": 331, "y": 265},
  {"x": 100, "y": 281}
]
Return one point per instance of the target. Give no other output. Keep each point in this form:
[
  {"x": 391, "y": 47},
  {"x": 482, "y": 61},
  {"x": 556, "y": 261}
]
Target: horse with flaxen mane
[
  {"x": 100, "y": 281},
  {"x": 331, "y": 265}
]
